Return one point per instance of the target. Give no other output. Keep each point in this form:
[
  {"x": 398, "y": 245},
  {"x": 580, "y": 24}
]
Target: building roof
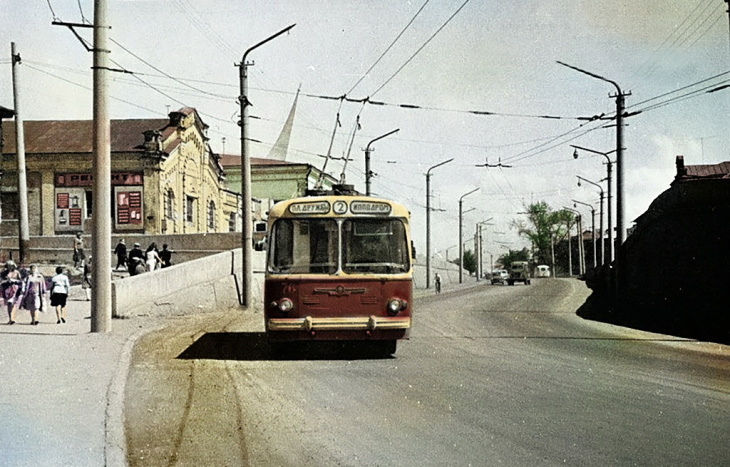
[
  {"x": 720, "y": 170},
  {"x": 234, "y": 160},
  {"x": 77, "y": 136}
]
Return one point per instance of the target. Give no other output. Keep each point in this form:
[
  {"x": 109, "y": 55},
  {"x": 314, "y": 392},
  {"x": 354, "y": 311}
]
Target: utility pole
[
  {"x": 368, "y": 172},
  {"x": 247, "y": 224},
  {"x": 428, "y": 221},
  {"x": 101, "y": 305},
  {"x": 461, "y": 238},
  {"x": 23, "y": 233}
]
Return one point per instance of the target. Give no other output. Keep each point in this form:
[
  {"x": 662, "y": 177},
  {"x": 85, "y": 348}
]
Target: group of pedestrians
[
  {"x": 138, "y": 261},
  {"x": 26, "y": 289}
]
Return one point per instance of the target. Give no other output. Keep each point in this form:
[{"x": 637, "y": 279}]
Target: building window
[
  {"x": 189, "y": 208},
  {"x": 232, "y": 222},
  {"x": 9, "y": 206},
  {"x": 211, "y": 216},
  {"x": 89, "y": 204},
  {"x": 169, "y": 204}
]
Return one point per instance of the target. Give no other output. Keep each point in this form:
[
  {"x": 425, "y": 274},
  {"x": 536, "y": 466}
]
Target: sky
[{"x": 475, "y": 81}]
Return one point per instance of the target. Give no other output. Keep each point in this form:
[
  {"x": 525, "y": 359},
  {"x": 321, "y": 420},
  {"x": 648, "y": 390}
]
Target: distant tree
[
  {"x": 543, "y": 227},
  {"x": 514, "y": 255},
  {"x": 470, "y": 262}
]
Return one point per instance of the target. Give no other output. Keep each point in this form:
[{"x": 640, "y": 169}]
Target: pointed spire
[{"x": 280, "y": 149}]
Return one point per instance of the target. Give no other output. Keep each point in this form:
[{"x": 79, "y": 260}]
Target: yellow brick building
[{"x": 165, "y": 177}]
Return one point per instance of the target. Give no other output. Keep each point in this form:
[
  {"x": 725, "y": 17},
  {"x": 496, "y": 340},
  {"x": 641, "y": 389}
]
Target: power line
[
  {"x": 389, "y": 47},
  {"x": 421, "y": 48}
]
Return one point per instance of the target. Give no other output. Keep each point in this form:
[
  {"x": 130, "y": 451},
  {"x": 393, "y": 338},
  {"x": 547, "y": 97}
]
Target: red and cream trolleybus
[{"x": 339, "y": 267}]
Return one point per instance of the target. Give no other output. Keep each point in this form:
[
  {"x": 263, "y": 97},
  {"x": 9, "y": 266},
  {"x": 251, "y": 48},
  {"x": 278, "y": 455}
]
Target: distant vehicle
[
  {"x": 500, "y": 276},
  {"x": 542, "y": 271},
  {"x": 520, "y": 272}
]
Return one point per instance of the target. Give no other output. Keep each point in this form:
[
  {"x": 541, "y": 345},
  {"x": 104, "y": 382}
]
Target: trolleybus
[{"x": 339, "y": 267}]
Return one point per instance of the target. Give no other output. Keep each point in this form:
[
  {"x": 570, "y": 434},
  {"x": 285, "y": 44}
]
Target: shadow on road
[{"x": 254, "y": 346}]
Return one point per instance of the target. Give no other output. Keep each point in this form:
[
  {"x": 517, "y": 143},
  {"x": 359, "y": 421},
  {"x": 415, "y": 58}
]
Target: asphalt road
[{"x": 492, "y": 375}]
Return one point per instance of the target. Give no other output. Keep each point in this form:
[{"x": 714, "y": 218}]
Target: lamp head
[
  {"x": 575, "y": 154},
  {"x": 579, "y": 182}
]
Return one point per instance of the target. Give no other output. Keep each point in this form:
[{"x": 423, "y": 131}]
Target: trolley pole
[{"x": 246, "y": 227}]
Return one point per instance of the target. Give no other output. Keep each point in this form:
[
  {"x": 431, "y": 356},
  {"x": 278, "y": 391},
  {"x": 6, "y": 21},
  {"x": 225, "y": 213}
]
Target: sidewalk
[{"x": 61, "y": 398}]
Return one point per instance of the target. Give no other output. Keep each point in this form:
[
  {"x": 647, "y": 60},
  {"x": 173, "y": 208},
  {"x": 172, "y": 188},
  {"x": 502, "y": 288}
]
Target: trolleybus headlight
[
  {"x": 285, "y": 305},
  {"x": 395, "y": 305}
]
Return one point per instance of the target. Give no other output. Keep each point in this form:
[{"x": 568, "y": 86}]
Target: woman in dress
[
  {"x": 34, "y": 288},
  {"x": 10, "y": 288},
  {"x": 152, "y": 257}
]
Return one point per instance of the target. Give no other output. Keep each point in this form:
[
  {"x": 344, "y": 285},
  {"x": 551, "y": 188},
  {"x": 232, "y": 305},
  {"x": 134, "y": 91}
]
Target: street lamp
[
  {"x": 609, "y": 170},
  {"x": 247, "y": 235},
  {"x": 368, "y": 172},
  {"x": 603, "y": 237},
  {"x": 428, "y": 221},
  {"x": 593, "y": 226},
  {"x": 461, "y": 245}
]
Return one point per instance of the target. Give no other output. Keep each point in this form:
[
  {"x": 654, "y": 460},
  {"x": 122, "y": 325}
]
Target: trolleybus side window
[
  {"x": 376, "y": 246},
  {"x": 304, "y": 246}
]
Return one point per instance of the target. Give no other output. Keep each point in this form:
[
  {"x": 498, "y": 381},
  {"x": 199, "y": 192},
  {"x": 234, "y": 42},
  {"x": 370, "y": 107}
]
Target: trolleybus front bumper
[{"x": 365, "y": 323}]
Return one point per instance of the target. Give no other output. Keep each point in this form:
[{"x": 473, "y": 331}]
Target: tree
[
  {"x": 514, "y": 255},
  {"x": 544, "y": 226},
  {"x": 470, "y": 262}
]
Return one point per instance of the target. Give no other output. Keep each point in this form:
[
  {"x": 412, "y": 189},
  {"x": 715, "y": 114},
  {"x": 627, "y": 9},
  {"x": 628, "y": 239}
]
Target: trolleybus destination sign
[
  {"x": 313, "y": 207},
  {"x": 369, "y": 207}
]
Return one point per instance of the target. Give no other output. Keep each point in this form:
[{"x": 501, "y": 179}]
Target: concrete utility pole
[
  {"x": 23, "y": 233},
  {"x": 101, "y": 290},
  {"x": 247, "y": 224},
  {"x": 603, "y": 236},
  {"x": 461, "y": 238},
  {"x": 428, "y": 221},
  {"x": 368, "y": 172},
  {"x": 593, "y": 228}
]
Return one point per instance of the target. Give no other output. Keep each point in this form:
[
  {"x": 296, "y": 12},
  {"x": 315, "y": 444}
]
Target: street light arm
[
  {"x": 592, "y": 183},
  {"x": 585, "y": 204},
  {"x": 464, "y": 196},
  {"x": 592, "y": 75},
  {"x": 243, "y": 60},
  {"x": 428, "y": 172},
  {"x": 367, "y": 148},
  {"x": 604, "y": 154}
]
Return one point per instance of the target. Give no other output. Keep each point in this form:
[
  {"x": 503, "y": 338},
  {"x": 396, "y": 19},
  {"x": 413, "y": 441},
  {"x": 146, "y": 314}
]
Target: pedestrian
[
  {"x": 59, "y": 294},
  {"x": 153, "y": 258},
  {"x": 34, "y": 290},
  {"x": 166, "y": 256},
  {"x": 79, "y": 256},
  {"x": 437, "y": 281},
  {"x": 136, "y": 258},
  {"x": 121, "y": 251},
  {"x": 10, "y": 287},
  {"x": 86, "y": 283}
]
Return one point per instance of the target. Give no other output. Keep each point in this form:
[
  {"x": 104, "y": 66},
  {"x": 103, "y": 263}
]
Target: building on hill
[
  {"x": 165, "y": 177},
  {"x": 273, "y": 181},
  {"x": 675, "y": 262}
]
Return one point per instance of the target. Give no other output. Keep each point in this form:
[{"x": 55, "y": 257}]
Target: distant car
[
  {"x": 542, "y": 270},
  {"x": 500, "y": 276},
  {"x": 520, "y": 273}
]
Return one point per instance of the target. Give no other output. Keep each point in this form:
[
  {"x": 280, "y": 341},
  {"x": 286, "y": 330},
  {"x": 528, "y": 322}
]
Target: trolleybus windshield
[{"x": 316, "y": 246}]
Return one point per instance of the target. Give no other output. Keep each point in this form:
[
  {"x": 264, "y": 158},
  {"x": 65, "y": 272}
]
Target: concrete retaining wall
[{"x": 211, "y": 283}]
